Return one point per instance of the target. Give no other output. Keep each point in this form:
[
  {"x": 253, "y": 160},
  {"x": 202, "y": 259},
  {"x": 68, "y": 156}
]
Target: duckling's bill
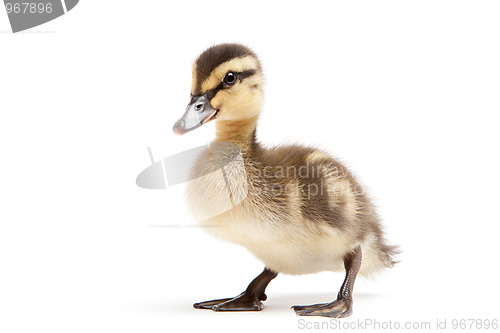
[{"x": 198, "y": 112}]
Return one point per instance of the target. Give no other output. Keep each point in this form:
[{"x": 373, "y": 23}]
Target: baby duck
[{"x": 294, "y": 222}]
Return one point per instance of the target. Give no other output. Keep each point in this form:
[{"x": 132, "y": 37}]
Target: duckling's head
[{"x": 227, "y": 85}]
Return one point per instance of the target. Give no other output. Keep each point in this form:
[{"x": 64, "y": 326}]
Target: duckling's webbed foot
[
  {"x": 242, "y": 302},
  {"x": 342, "y": 306},
  {"x": 338, "y": 309},
  {"x": 249, "y": 300},
  {"x": 210, "y": 304}
]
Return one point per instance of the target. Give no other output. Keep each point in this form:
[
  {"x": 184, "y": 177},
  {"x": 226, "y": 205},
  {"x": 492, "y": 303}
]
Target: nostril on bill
[{"x": 198, "y": 107}]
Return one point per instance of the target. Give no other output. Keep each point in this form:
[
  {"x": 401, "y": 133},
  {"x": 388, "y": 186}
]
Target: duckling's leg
[
  {"x": 342, "y": 306},
  {"x": 249, "y": 300}
]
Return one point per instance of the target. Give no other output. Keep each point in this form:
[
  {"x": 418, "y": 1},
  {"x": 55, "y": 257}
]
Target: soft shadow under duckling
[{"x": 303, "y": 212}]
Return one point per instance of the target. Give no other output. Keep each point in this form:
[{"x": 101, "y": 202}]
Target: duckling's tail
[
  {"x": 377, "y": 255},
  {"x": 390, "y": 253}
]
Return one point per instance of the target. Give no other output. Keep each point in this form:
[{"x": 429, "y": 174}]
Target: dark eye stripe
[
  {"x": 212, "y": 92},
  {"x": 241, "y": 76}
]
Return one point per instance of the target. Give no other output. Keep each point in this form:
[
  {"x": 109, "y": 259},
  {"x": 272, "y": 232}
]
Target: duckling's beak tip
[{"x": 178, "y": 127}]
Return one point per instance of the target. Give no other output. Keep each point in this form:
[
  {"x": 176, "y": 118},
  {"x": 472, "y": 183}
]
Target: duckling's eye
[{"x": 230, "y": 78}]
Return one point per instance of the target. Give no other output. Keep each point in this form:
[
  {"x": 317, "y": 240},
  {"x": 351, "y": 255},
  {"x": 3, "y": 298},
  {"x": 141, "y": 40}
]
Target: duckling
[{"x": 302, "y": 211}]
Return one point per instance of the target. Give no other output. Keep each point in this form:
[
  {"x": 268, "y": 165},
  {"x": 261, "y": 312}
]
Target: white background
[{"x": 405, "y": 93}]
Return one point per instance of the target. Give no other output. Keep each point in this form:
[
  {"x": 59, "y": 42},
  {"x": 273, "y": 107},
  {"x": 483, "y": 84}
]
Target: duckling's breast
[{"x": 218, "y": 182}]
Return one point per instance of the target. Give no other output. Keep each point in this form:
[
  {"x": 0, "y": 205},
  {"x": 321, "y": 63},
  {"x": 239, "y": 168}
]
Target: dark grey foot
[
  {"x": 249, "y": 300},
  {"x": 242, "y": 302},
  {"x": 340, "y": 308},
  {"x": 210, "y": 304},
  {"x": 297, "y": 308}
]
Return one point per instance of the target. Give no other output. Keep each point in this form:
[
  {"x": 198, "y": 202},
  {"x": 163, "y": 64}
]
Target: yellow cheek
[
  {"x": 238, "y": 102},
  {"x": 218, "y": 101}
]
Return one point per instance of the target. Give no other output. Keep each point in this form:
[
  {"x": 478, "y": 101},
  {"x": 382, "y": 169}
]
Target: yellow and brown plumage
[{"x": 301, "y": 210}]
